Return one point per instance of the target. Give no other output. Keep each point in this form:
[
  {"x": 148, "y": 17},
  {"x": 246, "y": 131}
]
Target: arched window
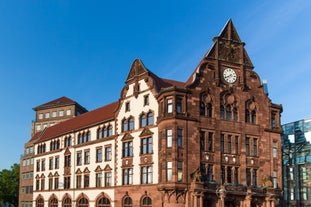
[
  {"x": 105, "y": 132},
  {"x": 83, "y": 202},
  {"x": 109, "y": 130},
  {"x": 53, "y": 202},
  {"x": 80, "y": 139},
  {"x": 254, "y": 117},
  {"x": 131, "y": 123},
  {"x": 127, "y": 202},
  {"x": 146, "y": 202},
  {"x": 150, "y": 118},
  {"x": 222, "y": 112},
  {"x": 202, "y": 108},
  {"x": 235, "y": 114},
  {"x": 88, "y": 136},
  {"x": 124, "y": 125},
  {"x": 209, "y": 109},
  {"x": 67, "y": 202},
  {"x": 228, "y": 112},
  {"x": 40, "y": 202},
  {"x": 247, "y": 116},
  {"x": 99, "y": 133},
  {"x": 143, "y": 121},
  {"x": 103, "y": 202}
]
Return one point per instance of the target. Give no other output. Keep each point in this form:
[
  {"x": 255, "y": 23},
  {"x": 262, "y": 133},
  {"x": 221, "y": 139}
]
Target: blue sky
[{"x": 84, "y": 50}]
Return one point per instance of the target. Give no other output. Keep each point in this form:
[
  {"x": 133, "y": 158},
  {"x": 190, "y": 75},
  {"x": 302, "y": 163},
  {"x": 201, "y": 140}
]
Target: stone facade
[{"x": 214, "y": 140}]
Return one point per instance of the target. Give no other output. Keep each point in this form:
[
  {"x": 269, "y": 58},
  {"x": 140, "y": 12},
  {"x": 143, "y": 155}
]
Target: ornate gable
[
  {"x": 98, "y": 169},
  {"x": 126, "y": 137},
  {"x": 229, "y": 47},
  {"x": 107, "y": 168},
  {"x": 146, "y": 132},
  {"x": 137, "y": 69}
]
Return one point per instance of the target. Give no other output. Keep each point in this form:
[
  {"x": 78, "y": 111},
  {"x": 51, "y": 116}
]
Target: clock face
[{"x": 229, "y": 75}]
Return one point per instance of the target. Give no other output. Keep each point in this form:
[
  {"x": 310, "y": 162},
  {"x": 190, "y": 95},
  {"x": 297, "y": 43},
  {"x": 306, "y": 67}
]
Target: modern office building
[
  {"x": 214, "y": 140},
  {"x": 296, "y": 146},
  {"x": 47, "y": 115}
]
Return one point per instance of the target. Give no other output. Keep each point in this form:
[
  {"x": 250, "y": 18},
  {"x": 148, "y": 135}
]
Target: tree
[{"x": 9, "y": 181}]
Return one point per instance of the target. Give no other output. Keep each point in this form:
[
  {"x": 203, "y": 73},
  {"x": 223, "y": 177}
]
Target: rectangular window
[
  {"x": 43, "y": 165},
  {"x": 50, "y": 183},
  {"x": 146, "y": 145},
  {"x": 108, "y": 153},
  {"x": 127, "y": 149},
  {"x": 292, "y": 193},
  {"x": 210, "y": 172},
  {"x": 79, "y": 181},
  {"x": 236, "y": 145},
  {"x": 99, "y": 155},
  {"x": 210, "y": 141},
  {"x": 51, "y": 164},
  {"x": 56, "y": 162},
  {"x": 40, "y": 116},
  {"x": 67, "y": 182},
  {"x": 127, "y": 106},
  {"x": 248, "y": 176},
  {"x": 99, "y": 177},
  {"x": 42, "y": 184},
  {"x": 304, "y": 193},
  {"x": 223, "y": 174},
  {"x": 247, "y": 149},
  {"x": 38, "y": 165},
  {"x": 54, "y": 114},
  {"x": 47, "y": 115},
  {"x": 222, "y": 143},
  {"x": 178, "y": 105},
  {"x": 202, "y": 141},
  {"x": 303, "y": 172},
  {"x": 61, "y": 113},
  {"x": 274, "y": 150},
  {"x": 37, "y": 184},
  {"x": 67, "y": 160},
  {"x": 56, "y": 183},
  {"x": 79, "y": 158},
  {"x": 229, "y": 174},
  {"x": 229, "y": 144},
  {"x": 146, "y": 175},
  {"x": 87, "y": 157},
  {"x": 169, "y": 138},
  {"x": 127, "y": 176},
  {"x": 273, "y": 121},
  {"x": 255, "y": 147},
  {"x": 275, "y": 179},
  {"x": 169, "y": 171},
  {"x": 179, "y": 137},
  {"x": 236, "y": 175},
  {"x": 86, "y": 181},
  {"x": 254, "y": 179},
  {"x": 179, "y": 171},
  {"x": 146, "y": 100},
  {"x": 68, "y": 112},
  {"x": 108, "y": 179},
  {"x": 169, "y": 105}
]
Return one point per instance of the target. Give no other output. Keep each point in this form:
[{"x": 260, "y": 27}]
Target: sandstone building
[{"x": 214, "y": 140}]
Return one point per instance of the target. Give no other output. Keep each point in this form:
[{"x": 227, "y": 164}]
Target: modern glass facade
[{"x": 296, "y": 152}]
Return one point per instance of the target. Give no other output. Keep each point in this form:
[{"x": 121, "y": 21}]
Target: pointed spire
[{"x": 229, "y": 32}]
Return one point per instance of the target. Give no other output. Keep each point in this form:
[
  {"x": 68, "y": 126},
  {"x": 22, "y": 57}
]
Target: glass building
[{"x": 296, "y": 154}]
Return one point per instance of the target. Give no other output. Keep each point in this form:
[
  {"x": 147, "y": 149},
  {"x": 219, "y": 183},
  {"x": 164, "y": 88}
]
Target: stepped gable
[
  {"x": 227, "y": 47},
  {"x": 77, "y": 123}
]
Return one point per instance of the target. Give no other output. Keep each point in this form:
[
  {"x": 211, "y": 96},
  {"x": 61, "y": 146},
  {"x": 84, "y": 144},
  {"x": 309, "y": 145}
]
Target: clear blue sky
[{"x": 84, "y": 50}]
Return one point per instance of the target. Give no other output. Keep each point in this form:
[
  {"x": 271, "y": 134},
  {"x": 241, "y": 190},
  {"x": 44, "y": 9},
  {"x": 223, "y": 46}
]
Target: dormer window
[
  {"x": 146, "y": 100},
  {"x": 127, "y": 106}
]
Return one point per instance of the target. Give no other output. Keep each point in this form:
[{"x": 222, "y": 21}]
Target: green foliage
[{"x": 9, "y": 181}]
